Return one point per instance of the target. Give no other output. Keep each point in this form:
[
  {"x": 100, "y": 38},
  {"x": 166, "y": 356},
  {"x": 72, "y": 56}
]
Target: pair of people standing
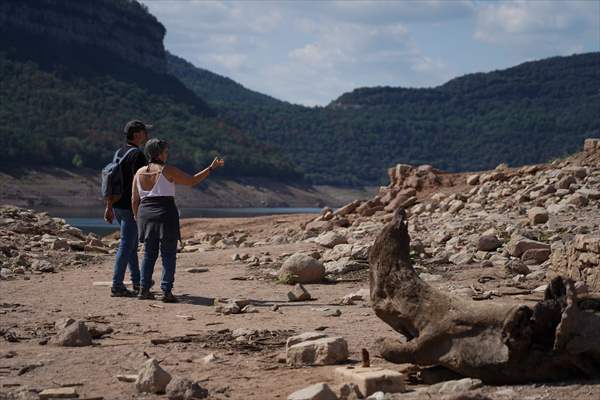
[{"x": 146, "y": 212}]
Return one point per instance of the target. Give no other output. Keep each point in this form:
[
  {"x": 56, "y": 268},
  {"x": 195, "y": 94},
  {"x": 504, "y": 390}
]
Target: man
[{"x": 136, "y": 133}]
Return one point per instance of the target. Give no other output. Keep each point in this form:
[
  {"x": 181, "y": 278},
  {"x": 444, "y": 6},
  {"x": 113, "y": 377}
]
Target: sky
[{"x": 311, "y": 52}]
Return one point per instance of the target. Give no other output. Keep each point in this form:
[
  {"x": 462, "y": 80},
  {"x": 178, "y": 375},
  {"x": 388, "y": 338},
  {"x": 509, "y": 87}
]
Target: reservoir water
[{"x": 91, "y": 220}]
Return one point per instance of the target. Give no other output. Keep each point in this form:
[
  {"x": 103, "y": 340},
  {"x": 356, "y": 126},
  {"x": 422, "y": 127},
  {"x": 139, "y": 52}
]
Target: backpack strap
[{"x": 116, "y": 157}]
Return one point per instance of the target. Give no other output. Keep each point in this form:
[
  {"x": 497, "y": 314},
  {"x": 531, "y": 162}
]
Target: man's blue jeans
[
  {"x": 168, "y": 252},
  {"x": 127, "y": 251}
]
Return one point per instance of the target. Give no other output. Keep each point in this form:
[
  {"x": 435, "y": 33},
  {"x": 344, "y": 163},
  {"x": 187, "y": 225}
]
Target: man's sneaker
[
  {"x": 136, "y": 289},
  {"x": 169, "y": 298},
  {"x": 146, "y": 294},
  {"x": 121, "y": 292}
]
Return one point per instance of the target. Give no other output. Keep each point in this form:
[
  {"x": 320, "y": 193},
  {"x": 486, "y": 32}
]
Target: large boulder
[
  {"x": 152, "y": 378},
  {"x": 301, "y": 268}
]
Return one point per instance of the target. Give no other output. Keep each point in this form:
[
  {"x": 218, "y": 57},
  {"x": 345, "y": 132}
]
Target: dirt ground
[{"x": 251, "y": 371}]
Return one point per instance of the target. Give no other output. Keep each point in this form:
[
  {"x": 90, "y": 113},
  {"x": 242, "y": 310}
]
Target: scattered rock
[
  {"x": 537, "y": 215},
  {"x": 517, "y": 246},
  {"x": 75, "y": 334},
  {"x": 463, "y": 257},
  {"x": 537, "y": 256},
  {"x": 196, "y": 270},
  {"x": 318, "y": 391},
  {"x": 185, "y": 389},
  {"x": 127, "y": 378},
  {"x": 59, "y": 393},
  {"x": 456, "y": 386},
  {"x": 488, "y": 243},
  {"x": 325, "y": 351},
  {"x": 369, "y": 380},
  {"x": 299, "y": 293},
  {"x": 517, "y": 267},
  {"x": 330, "y": 239},
  {"x": 152, "y": 378}
]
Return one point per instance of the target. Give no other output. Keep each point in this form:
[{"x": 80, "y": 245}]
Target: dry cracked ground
[{"x": 497, "y": 236}]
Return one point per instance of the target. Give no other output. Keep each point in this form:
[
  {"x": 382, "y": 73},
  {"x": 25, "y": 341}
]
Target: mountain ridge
[{"x": 528, "y": 113}]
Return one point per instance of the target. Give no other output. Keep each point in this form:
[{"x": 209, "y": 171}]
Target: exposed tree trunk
[{"x": 499, "y": 343}]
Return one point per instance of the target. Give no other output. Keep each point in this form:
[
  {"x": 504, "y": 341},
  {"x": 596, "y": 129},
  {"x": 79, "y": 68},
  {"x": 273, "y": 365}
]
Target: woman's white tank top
[{"x": 162, "y": 187}]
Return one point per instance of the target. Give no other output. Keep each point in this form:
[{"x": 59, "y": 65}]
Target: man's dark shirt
[{"x": 134, "y": 161}]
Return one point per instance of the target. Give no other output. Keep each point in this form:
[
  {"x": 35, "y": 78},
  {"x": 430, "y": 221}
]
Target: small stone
[
  {"x": 59, "y": 244},
  {"x": 488, "y": 243},
  {"x": 209, "y": 359},
  {"x": 537, "y": 215},
  {"x": 330, "y": 239},
  {"x": 196, "y": 270},
  {"x": 303, "y": 337},
  {"x": 463, "y": 257},
  {"x": 371, "y": 379},
  {"x": 360, "y": 295},
  {"x": 332, "y": 313},
  {"x": 59, "y": 393},
  {"x": 517, "y": 267},
  {"x": 456, "y": 386},
  {"x": 473, "y": 180},
  {"x": 537, "y": 256},
  {"x": 517, "y": 246},
  {"x": 299, "y": 293},
  {"x": 127, "y": 378},
  {"x": 318, "y": 391},
  {"x": 152, "y": 378},
  {"x": 326, "y": 351},
  {"x": 75, "y": 334},
  {"x": 185, "y": 389},
  {"x": 349, "y": 391}
]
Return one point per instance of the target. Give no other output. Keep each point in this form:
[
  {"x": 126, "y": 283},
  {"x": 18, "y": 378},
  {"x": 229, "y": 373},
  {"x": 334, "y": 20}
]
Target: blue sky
[{"x": 310, "y": 52}]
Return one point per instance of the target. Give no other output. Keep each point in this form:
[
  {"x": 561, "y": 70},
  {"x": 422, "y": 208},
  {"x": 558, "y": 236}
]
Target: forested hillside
[
  {"x": 67, "y": 87},
  {"x": 526, "y": 114}
]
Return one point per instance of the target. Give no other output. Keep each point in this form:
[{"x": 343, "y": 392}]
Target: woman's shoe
[
  {"x": 146, "y": 294},
  {"x": 169, "y": 298}
]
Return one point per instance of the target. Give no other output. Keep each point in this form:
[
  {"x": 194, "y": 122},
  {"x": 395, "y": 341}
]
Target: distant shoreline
[{"x": 54, "y": 188}]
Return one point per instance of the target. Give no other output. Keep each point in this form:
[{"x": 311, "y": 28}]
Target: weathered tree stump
[{"x": 558, "y": 338}]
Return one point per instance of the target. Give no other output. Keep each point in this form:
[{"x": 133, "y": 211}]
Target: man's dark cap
[{"x": 135, "y": 126}]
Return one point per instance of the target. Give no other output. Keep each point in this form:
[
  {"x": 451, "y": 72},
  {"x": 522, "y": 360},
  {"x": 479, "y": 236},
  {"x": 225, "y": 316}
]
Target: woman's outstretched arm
[{"x": 179, "y": 177}]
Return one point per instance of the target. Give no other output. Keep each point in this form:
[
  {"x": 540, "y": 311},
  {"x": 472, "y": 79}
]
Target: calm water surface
[{"x": 90, "y": 220}]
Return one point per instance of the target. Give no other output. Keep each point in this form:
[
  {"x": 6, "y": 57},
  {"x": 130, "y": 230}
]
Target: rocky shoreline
[{"x": 275, "y": 284}]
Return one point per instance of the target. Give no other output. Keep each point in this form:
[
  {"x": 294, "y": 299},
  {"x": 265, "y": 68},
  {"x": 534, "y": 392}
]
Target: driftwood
[{"x": 558, "y": 338}]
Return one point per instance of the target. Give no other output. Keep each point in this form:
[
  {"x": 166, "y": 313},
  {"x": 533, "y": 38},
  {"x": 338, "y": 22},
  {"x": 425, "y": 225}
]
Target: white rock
[
  {"x": 325, "y": 351},
  {"x": 330, "y": 239},
  {"x": 318, "y": 391},
  {"x": 152, "y": 378}
]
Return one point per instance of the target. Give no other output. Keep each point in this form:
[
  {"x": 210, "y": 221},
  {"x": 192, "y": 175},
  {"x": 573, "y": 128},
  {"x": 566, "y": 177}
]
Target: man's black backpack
[{"x": 112, "y": 177}]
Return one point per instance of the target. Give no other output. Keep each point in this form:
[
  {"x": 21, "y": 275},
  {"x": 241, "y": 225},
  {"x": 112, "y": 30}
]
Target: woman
[{"x": 153, "y": 203}]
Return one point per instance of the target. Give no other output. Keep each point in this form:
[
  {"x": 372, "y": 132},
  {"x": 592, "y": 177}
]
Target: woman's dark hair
[{"x": 153, "y": 149}]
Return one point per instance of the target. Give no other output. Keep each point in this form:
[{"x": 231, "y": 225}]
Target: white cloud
[
  {"x": 538, "y": 26},
  {"x": 312, "y": 51}
]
